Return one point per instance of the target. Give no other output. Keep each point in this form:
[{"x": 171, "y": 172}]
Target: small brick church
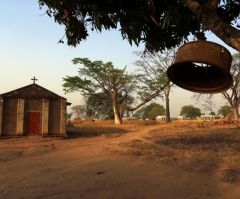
[{"x": 32, "y": 110}]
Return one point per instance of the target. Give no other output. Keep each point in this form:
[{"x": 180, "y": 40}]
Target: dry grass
[
  {"x": 210, "y": 146},
  {"x": 202, "y": 146},
  {"x": 105, "y": 127}
]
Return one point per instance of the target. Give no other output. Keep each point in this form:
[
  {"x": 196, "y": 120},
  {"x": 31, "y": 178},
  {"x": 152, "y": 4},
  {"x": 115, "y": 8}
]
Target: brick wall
[
  {"x": 20, "y": 117},
  {"x": 9, "y": 116},
  {"x": 45, "y": 115},
  {"x": 1, "y": 111},
  {"x": 54, "y": 117},
  {"x": 63, "y": 117}
]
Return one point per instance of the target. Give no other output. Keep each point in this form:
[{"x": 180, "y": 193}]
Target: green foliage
[
  {"x": 68, "y": 116},
  {"x": 153, "y": 69},
  {"x": 224, "y": 110},
  {"x": 100, "y": 108},
  {"x": 212, "y": 113},
  {"x": 102, "y": 83},
  {"x": 151, "y": 111},
  {"x": 79, "y": 111},
  {"x": 232, "y": 95},
  {"x": 190, "y": 111},
  {"x": 159, "y": 24},
  {"x": 139, "y": 113},
  {"x": 96, "y": 77},
  {"x": 151, "y": 72}
]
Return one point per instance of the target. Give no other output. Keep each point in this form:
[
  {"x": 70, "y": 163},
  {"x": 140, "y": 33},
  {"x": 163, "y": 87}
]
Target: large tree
[
  {"x": 79, "y": 111},
  {"x": 153, "y": 110},
  {"x": 96, "y": 77},
  {"x": 224, "y": 110},
  {"x": 154, "y": 68},
  {"x": 206, "y": 101},
  {"x": 232, "y": 95},
  {"x": 99, "y": 107},
  {"x": 159, "y": 24},
  {"x": 189, "y": 111},
  {"x": 98, "y": 80}
]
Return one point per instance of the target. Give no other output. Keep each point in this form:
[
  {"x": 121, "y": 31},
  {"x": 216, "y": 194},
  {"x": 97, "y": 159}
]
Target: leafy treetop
[
  {"x": 224, "y": 110},
  {"x": 190, "y": 111},
  {"x": 159, "y": 24},
  {"x": 151, "y": 111}
]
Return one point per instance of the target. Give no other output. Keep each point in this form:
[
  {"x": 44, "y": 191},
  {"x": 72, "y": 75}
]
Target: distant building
[
  {"x": 180, "y": 117},
  {"x": 32, "y": 110},
  {"x": 161, "y": 117},
  {"x": 209, "y": 117},
  {"x": 164, "y": 118}
]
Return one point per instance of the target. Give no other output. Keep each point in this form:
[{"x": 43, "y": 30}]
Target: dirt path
[{"x": 83, "y": 168}]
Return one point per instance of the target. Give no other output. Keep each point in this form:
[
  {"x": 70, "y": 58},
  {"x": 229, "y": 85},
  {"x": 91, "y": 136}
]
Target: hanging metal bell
[{"x": 202, "y": 66}]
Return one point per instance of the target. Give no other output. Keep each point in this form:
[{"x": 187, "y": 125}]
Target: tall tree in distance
[
  {"x": 154, "y": 70},
  {"x": 99, "y": 107},
  {"x": 191, "y": 112},
  {"x": 224, "y": 110},
  {"x": 79, "y": 111},
  {"x": 209, "y": 105},
  {"x": 95, "y": 78},
  {"x": 160, "y": 24},
  {"x": 206, "y": 101},
  {"x": 232, "y": 95},
  {"x": 101, "y": 80},
  {"x": 151, "y": 111}
]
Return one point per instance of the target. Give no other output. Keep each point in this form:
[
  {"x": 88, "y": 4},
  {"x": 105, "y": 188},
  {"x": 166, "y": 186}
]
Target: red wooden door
[{"x": 33, "y": 123}]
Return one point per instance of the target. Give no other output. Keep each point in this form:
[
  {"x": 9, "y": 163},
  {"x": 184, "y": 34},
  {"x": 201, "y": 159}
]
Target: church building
[{"x": 32, "y": 110}]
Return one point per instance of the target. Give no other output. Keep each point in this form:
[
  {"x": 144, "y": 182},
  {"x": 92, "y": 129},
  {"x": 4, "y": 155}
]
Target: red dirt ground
[{"x": 36, "y": 167}]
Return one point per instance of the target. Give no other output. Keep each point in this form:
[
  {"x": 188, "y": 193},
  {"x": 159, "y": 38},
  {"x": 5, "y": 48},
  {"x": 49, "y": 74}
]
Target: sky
[{"x": 29, "y": 47}]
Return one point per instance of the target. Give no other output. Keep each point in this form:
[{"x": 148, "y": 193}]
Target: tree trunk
[
  {"x": 116, "y": 111},
  {"x": 166, "y": 93},
  {"x": 235, "y": 113},
  {"x": 168, "y": 118},
  {"x": 233, "y": 102},
  {"x": 207, "y": 15}
]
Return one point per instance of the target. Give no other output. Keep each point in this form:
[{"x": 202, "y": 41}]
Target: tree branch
[
  {"x": 208, "y": 16},
  {"x": 148, "y": 99}
]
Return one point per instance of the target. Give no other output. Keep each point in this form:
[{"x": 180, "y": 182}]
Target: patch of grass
[
  {"x": 105, "y": 127},
  {"x": 91, "y": 131},
  {"x": 213, "y": 140},
  {"x": 202, "y": 146},
  {"x": 231, "y": 176}
]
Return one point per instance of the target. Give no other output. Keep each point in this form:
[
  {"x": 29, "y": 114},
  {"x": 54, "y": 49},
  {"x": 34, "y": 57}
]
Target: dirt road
[{"x": 84, "y": 168}]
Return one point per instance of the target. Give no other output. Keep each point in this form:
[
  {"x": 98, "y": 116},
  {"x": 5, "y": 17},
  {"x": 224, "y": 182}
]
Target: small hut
[{"x": 32, "y": 110}]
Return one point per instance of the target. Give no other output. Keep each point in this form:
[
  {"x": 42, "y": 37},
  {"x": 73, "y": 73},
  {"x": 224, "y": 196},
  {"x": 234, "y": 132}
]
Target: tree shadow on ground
[
  {"x": 206, "y": 150},
  {"x": 91, "y": 131},
  {"x": 212, "y": 140}
]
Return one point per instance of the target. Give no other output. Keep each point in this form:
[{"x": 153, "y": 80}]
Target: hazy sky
[{"x": 29, "y": 47}]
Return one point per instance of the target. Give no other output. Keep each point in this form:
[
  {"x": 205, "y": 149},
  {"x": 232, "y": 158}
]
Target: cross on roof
[{"x": 34, "y": 79}]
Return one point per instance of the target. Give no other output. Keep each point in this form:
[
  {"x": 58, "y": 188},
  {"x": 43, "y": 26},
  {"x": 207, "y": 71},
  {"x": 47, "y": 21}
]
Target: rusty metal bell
[{"x": 202, "y": 66}]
